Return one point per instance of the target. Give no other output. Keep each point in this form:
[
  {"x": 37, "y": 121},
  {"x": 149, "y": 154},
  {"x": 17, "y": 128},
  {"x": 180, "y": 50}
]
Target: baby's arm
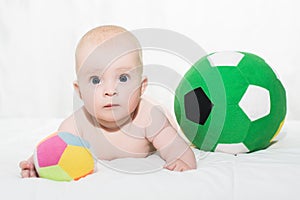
[
  {"x": 27, "y": 166},
  {"x": 173, "y": 149}
]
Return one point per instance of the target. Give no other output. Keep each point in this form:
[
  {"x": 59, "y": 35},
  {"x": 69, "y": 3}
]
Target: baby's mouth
[{"x": 111, "y": 105}]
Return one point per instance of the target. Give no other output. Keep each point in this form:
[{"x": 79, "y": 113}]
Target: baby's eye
[
  {"x": 124, "y": 78},
  {"x": 95, "y": 80}
]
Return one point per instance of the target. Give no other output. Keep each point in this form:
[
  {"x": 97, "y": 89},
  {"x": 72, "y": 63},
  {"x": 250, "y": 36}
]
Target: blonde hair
[{"x": 97, "y": 36}]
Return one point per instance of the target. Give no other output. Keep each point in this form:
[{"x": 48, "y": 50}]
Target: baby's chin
[{"x": 113, "y": 120}]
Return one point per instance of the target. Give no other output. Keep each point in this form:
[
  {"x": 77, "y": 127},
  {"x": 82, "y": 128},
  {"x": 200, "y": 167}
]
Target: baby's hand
[
  {"x": 178, "y": 165},
  {"x": 28, "y": 169}
]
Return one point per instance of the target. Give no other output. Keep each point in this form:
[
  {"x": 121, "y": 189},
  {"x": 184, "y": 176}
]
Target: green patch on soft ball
[{"x": 230, "y": 102}]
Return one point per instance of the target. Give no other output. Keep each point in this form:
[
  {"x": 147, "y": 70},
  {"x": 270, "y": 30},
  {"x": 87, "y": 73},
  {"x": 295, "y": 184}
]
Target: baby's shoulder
[
  {"x": 151, "y": 110},
  {"x": 152, "y": 117},
  {"x": 70, "y": 123}
]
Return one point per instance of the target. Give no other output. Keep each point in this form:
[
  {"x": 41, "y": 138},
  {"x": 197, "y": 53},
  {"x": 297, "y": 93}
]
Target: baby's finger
[
  {"x": 171, "y": 167},
  {"x": 25, "y": 173},
  {"x": 184, "y": 168},
  {"x": 32, "y": 173},
  {"x": 178, "y": 168},
  {"x": 24, "y": 165},
  {"x": 31, "y": 166}
]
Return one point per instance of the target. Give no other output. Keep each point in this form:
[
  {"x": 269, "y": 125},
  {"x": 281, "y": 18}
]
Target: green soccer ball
[{"x": 230, "y": 102}]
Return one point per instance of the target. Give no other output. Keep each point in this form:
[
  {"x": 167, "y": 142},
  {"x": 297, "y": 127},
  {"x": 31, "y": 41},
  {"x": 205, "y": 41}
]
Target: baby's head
[
  {"x": 105, "y": 35},
  {"x": 109, "y": 73}
]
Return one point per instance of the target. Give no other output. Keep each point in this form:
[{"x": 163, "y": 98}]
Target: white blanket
[{"x": 273, "y": 173}]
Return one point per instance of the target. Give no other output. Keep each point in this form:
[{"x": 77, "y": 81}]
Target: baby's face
[{"x": 111, "y": 88}]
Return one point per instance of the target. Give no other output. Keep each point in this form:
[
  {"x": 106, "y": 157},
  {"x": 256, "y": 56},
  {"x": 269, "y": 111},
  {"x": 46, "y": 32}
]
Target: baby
[{"x": 115, "y": 119}]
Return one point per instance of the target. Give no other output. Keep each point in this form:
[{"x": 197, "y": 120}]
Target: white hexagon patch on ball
[{"x": 255, "y": 102}]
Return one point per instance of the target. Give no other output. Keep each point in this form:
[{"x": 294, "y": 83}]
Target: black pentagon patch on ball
[{"x": 197, "y": 106}]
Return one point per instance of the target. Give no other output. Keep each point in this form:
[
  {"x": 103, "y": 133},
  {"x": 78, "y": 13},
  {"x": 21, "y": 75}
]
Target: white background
[{"x": 38, "y": 40}]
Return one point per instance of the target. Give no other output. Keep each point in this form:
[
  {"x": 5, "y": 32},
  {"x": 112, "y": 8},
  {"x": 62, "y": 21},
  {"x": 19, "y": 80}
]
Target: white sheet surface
[{"x": 273, "y": 173}]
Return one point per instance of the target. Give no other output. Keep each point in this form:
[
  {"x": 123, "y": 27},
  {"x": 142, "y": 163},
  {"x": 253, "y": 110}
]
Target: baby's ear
[
  {"x": 144, "y": 84},
  {"x": 76, "y": 88}
]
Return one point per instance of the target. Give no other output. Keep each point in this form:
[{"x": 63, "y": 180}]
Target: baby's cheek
[
  {"x": 134, "y": 100},
  {"x": 90, "y": 100}
]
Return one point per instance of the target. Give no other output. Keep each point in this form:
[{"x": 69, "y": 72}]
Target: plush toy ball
[
  {"x": 63, "y": 156},
  {"x": 230, "y": 102}
]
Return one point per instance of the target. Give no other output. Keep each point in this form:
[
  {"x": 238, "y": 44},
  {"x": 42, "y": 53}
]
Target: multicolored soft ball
[
  {"x": 63, "y": 156},
  {"x": 230, "y": 102}
]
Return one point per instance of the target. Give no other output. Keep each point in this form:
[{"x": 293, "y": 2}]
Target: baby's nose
[
  {"x": 110, "y": 93},
  {"x": 110, "y": 89}
]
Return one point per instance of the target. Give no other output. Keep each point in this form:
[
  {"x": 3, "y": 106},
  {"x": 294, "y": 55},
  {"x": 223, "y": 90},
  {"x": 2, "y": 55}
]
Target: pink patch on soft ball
[{"x": 50, "y": 151}]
